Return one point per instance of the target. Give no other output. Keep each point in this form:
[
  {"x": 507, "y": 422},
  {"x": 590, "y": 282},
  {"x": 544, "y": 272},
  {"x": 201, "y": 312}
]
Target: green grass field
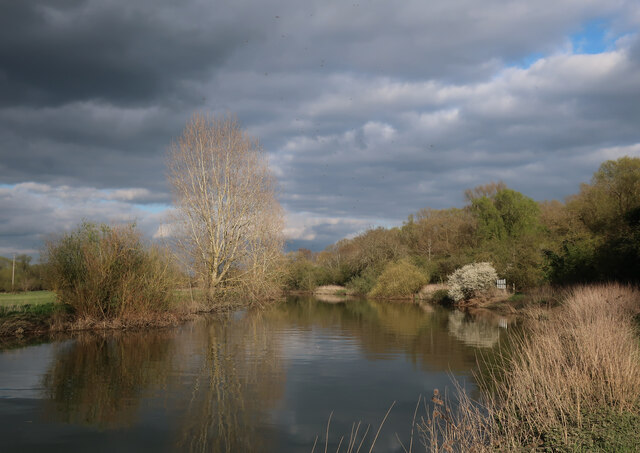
[
  {"x": 27, "y": 298},
  {"x": 31, "y": 306},
  {"x": 48, "y": 297}
]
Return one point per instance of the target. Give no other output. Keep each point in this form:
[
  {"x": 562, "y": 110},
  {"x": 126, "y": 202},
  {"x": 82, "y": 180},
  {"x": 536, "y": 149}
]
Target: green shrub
[
  {"x": 364, "y": 282},
  {"x": 301, "y": 274},
  {"x": 107, "y": 272},
  {"x": 444, "y": 267},
  {"x": 441, "y": 297},
  {"x": 471, "y": 281},
  {"x": 399, "y": 280}
]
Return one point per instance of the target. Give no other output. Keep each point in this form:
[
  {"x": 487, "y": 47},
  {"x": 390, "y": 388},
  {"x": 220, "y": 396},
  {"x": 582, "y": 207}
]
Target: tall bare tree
[{"x": 229, "y": 220}]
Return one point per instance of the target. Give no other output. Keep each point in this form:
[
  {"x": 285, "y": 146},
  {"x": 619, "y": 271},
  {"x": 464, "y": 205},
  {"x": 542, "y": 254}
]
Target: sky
[{"x": 368, "y": 110}]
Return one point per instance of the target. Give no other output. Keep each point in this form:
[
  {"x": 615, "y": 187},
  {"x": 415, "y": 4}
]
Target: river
[{"x": 251, "y": 381}]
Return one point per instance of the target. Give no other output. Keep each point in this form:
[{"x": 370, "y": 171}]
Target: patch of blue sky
[
  {"x": 101, "y": 201},
  {"x": 528, "y": 61},
  {"x": 7, "y": 186},
  {"x": 594, "y": 37}
]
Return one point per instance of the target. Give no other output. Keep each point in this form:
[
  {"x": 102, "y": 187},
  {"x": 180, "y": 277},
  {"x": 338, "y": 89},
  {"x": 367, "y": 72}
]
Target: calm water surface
[{"x": 252, "y": 381}]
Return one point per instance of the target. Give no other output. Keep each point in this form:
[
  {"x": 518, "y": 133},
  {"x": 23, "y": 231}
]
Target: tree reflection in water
[
  {"x": 431, "y": 336},
  {"x": 240, "y": 379},
  {"x": 99, "y": 379},
  {"x": 223, "y": 378}
]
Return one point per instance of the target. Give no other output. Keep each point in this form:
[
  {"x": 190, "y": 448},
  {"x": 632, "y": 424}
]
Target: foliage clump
[
  {"x": 302, "y": 274},
  {"x": 471, "y": 281},
  {"x": 363, "y": 283},
  {"x": 107, "y": 272},
  {"x": 605, "y": 246},
  {"x": 399, "y": 280},
  {"x": 441, "y": 297}
]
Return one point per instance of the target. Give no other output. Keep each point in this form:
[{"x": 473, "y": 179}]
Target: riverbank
[
  {"x": 38, "y": 313},
  {"x": 499, "y": 301}
]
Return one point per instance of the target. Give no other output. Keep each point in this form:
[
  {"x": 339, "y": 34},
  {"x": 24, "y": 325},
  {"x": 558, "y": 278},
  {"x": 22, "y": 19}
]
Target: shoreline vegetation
[
  {"x": 570, "y": 383},
  {"x": 594, "y": 236},
  {"x": 104, "y": 277}
]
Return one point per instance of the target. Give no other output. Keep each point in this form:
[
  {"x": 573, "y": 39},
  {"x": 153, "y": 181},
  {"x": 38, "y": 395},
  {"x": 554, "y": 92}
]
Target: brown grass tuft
[{"x": 583, "y": 358}]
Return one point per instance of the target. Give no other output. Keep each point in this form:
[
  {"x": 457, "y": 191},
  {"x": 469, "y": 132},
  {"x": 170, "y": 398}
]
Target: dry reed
[
  {"x": 356, "y": 441},
  {"x": 584, "y": 358}
]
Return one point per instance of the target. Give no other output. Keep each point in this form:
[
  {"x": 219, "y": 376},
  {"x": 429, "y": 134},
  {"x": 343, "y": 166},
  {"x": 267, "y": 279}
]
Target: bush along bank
[
  {"x": 103, "y": 277},
  {"x": 107, "y": 272}
]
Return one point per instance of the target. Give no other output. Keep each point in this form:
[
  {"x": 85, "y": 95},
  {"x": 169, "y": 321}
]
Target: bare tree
[{"x": 229, "y": 220}]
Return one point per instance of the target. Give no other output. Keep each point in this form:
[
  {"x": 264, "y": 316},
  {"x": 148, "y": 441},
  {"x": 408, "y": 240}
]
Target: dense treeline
[{"x": 593, "y": 236}]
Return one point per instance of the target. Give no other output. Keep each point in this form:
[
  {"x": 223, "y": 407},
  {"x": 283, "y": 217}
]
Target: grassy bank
[
  {"x": 27, "y": 298},
  {"x": 572, "y": 383},
  {"x": 27, "y": 312}
]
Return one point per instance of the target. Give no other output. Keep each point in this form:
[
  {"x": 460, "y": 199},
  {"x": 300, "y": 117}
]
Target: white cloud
[
  {"x": 316, "y": 231},
  {"x": 34, "y": 211}
]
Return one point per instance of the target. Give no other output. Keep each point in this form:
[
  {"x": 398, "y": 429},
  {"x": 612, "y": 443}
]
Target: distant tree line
[
  {"x": 593, "y": 236},
  {"x": 26, "y": 276}
]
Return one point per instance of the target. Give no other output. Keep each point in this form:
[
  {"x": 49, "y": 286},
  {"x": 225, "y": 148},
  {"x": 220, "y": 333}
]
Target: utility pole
[{"x": 13, "y": 272}]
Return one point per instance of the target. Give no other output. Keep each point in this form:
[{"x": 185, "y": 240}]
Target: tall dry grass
[{"x": 584, "y": 358}]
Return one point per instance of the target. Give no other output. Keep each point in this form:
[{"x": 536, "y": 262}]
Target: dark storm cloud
[
  {"x": 92, "y": 93},
  {"x": 126, "y": 53},
  {"x": 84, "y": 144},
  {"x": 368, "y": 110}
]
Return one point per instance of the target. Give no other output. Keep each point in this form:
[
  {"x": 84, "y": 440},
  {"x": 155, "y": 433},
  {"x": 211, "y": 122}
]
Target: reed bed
[{"x": 571, "y": 384}]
